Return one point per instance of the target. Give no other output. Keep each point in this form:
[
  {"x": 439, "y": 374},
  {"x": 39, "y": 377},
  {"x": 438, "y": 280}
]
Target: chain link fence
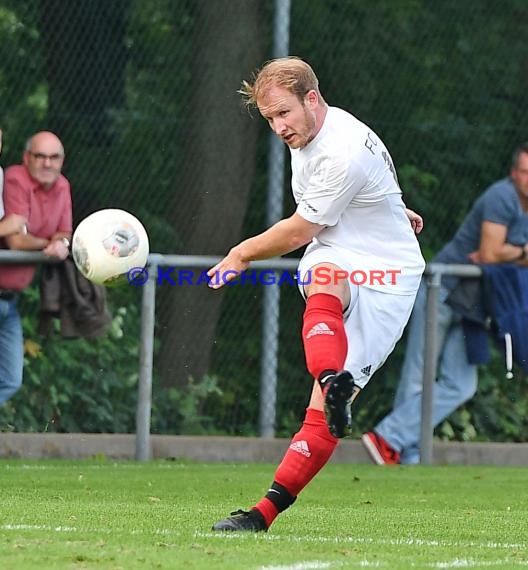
[{"x": 143, "y": 94}]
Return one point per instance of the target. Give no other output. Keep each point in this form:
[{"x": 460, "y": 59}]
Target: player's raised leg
[
  {"x": 326, "y": 344},
  {"x": 328, "y": 415}
]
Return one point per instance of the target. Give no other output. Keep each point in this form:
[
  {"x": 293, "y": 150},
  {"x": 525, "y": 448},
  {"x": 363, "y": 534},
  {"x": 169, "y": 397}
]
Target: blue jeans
[
  {"x": 11, "y": 350},
  {"x": 456, "y": 380}
]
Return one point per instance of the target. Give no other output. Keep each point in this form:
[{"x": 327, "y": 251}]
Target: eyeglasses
[{"x": 42, "y": 156}]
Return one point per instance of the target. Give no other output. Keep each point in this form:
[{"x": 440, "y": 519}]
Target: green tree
[{"x": 220, "y": 142}]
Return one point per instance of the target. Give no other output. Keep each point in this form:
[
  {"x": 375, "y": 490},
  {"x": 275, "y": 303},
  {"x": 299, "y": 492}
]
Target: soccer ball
[{"x": 107, "y": 244}]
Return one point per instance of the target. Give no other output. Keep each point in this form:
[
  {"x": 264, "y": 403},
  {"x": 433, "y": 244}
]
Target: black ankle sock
[
  {"x": 280, "y": 497},
  {"x": 324, "y": 375}
]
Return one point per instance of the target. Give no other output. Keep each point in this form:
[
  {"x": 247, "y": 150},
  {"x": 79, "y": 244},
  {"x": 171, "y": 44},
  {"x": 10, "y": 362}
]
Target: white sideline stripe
[
  {"x": 38, "y": 527},
  {"x": 366, "y": 540},
  {"x": 456, "y": 563},
  {"x": 299, "y": 566},
  {"x": 49, "y": 528},
  {"x": 317, "y": 565},
  {"x": 87, "y": 467},
  {"x": 241, "y": 536},
  {"x": 470, "y": 563}
]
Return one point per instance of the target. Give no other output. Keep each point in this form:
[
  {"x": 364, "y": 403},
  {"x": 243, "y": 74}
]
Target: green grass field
[{"x": 101, "y": 514}]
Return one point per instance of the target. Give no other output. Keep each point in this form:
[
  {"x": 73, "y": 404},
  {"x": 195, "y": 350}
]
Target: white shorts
[{"x": 374, "y": 320}]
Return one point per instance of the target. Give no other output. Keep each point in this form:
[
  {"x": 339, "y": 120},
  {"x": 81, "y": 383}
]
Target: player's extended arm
[{"x": 283, "y": 237}]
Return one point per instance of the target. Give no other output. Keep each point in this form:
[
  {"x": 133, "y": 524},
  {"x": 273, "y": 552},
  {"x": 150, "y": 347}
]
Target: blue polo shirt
[{"x": 499, "y": 204}]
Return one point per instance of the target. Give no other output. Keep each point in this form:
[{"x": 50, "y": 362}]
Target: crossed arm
[
  {"x": 493, "y": 247},
  {"x": 54, "y": 247}
]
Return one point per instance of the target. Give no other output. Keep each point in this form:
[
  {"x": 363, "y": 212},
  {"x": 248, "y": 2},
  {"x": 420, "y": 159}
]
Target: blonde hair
[{"x": 291, "y": 73}]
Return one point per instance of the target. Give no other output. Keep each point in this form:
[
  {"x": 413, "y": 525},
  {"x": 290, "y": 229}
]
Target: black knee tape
[{"x": 280, "y": 497}]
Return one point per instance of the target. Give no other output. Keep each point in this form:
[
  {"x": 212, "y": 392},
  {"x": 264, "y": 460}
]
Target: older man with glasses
[{"x": 37, "y": 191}]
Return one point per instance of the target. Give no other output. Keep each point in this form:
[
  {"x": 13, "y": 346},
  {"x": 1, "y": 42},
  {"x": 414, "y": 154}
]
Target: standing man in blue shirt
[{"x": 494, "y": 231}]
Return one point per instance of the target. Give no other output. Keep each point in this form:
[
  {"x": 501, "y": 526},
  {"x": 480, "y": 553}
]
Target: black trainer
[
  {"x": 339, "y": 391},
  {"x": 245, "y": 521}
]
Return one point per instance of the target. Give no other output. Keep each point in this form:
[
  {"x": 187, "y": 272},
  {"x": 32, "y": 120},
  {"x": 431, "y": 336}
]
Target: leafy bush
[
  {"x": 91, "y": 386},
  {"x": 77, "y": 385}
]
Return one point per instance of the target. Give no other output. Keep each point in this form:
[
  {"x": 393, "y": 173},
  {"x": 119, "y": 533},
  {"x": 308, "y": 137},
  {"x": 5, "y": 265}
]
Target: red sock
[
  {"x": 325, "y": 342},
  {"x": 310, "y": 449}
]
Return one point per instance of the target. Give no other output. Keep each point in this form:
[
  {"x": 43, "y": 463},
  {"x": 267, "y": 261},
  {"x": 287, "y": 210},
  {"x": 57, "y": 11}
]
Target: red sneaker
[{"x": 379, "y": 450}]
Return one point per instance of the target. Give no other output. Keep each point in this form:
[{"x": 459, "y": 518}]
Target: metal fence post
[
  {"x": 269, "y": 362},
  {"x": 429, "y": 373},
  {"x": 146, "y": 356},
  {"x": 271, "y": 301}
]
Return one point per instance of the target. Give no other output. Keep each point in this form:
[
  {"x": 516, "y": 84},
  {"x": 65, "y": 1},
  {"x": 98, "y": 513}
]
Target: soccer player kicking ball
[{"x": 351, "y": 213}]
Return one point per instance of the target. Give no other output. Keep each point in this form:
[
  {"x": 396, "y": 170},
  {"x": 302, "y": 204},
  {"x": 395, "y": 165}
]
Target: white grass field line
[
  {"x": 379, "y": 541},
  {"x": 523, "y": 546},
  {"x": 85, "y": 466},
  {"x": 456, "y": 563},
  {"x": 471, "y": 563},
  {"x": 314, "y": 565},
  {"x": 317, "y": 565},
  {"x": 85, "y": 530}
]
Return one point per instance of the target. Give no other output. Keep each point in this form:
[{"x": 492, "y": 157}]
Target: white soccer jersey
[{"x": 345, "y": 180}]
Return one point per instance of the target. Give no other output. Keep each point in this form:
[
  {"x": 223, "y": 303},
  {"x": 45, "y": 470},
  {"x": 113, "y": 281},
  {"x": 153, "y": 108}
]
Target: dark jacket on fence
[
  {"x": 496, "y": 304},
  {"x": 79, "y": 304}
]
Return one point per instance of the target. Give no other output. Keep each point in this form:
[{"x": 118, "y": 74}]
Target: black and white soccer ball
[{"x": 108, "y": 244}]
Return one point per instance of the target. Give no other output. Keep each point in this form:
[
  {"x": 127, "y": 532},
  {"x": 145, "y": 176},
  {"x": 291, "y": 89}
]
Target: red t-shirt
[{"x": 47, "y": 210}]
